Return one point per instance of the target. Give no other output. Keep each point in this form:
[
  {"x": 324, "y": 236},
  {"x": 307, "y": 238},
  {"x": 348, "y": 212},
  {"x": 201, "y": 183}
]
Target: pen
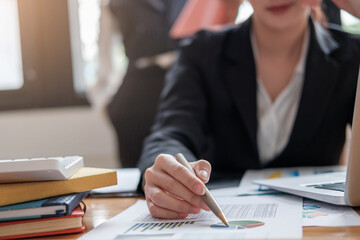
[{"x": 207, "y": 197}]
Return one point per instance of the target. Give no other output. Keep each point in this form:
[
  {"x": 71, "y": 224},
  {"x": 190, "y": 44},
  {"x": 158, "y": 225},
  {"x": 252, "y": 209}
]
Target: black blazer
[
  {"x": 209, "y": 108},
  {"x": 145, "y": 26}
]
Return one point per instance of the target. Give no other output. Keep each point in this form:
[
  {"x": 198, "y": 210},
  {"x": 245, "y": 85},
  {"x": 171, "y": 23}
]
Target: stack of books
[{"x": 32, "y": 209}]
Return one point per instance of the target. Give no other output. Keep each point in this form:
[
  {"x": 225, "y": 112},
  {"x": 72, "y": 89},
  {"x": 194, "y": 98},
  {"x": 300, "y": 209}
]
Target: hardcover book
[
  {"x": 43, "y": 226},
  {"x": 44, "y": 208},
  {"x": 85, "y": 179}
]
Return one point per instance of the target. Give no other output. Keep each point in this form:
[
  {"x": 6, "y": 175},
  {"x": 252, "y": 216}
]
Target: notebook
[
  {"x": 336, "y": 188},
  {"x": 83, "y": 180},
  {"x": 43, "y": 226},
  {"x": 44, "y": 208}
]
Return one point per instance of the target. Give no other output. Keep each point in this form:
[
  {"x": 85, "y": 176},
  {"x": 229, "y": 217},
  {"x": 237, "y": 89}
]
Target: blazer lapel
[
  {"x": 240, "y": 77},
  {"x": 321, "y": 76}
]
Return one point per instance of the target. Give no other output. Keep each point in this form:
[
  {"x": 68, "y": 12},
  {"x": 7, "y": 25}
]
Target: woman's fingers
[
  {"x": 174, "y": 187},
  {"x": 166, "y": 201},
  {"x": 159, "y": 212},
  {"x": 181, "y": 173},
  {"x": 172, "y": 191},
  {"x": 202, "y": 169}
]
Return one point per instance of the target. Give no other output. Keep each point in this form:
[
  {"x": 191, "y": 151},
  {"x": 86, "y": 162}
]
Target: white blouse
[{"x": 276, "y": 119}]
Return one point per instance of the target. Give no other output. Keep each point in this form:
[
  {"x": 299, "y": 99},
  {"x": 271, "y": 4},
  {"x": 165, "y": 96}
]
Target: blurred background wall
[{"x": 58, "y": 132}]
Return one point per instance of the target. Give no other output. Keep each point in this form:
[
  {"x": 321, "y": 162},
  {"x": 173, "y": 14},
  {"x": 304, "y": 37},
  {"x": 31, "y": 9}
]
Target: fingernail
[
  {"x": 194, "y": 209},
  {"x": 204, "y": 175},
  {"x": 204, "y": 206},
  {"x": 199, "y": 189}
]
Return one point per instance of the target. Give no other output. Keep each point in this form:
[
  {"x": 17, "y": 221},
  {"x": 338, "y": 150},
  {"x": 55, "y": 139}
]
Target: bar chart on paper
[
  {"x": 231, "y": 211},
  {"x": 148, "y": 227}
]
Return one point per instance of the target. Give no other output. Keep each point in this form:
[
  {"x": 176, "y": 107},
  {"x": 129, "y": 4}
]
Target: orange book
[
  {"x": 43, "y": 226},
  {"x": 197, "y": 15},
  {"x": 85, "y": 179}
]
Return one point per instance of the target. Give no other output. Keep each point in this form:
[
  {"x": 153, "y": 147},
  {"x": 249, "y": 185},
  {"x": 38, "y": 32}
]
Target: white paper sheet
[
  {"x": 127, "y": 181},
  {"x": 317, "y": 213},
  {"x": 225, "y": 192},
  {"x": 247, "y": 187},
  {"x": 249, "y": 217}
]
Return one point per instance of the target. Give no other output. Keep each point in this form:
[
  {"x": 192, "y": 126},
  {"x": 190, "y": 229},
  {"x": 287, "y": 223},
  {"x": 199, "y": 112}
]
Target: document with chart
[
  {"x": 322, "y": 214},
  {"x": 247, "y": 187},
  {"x": 249, "y": 217}
]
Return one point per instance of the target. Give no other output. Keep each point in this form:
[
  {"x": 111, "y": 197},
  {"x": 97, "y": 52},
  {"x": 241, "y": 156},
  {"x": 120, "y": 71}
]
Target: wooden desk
[{"x": 101, "y": 209}]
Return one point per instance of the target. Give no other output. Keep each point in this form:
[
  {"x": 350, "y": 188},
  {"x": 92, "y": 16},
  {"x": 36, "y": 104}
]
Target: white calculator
[{"x": 39, "y": 169}]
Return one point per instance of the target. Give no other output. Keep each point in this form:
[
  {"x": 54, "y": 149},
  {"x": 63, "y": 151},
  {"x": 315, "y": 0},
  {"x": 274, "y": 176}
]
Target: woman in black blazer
[{"x": 217, "y": 96}]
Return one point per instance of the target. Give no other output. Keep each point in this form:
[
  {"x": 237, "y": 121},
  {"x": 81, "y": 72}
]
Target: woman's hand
[
  {"x": 172, "y": 191},
  {"x": 351, "y": 6}
]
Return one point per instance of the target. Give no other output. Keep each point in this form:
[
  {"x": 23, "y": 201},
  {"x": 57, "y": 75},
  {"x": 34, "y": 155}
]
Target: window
[
  {"x": 85, "y": 18},
  {"x": 11, "y": 71},
  {"x": 36, "y": 69}
]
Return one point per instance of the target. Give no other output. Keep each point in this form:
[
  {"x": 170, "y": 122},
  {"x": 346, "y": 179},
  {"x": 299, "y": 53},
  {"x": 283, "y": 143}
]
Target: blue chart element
[
  {"x": 310, "y": 207},
  {"x": 324, "y": 171},
  {"x": 237, "y": 225},
  {"x": 294, "y": 173}
]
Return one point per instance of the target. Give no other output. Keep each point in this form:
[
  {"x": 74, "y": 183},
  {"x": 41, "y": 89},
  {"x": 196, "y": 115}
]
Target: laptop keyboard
[{"x": 339, "y": 186}]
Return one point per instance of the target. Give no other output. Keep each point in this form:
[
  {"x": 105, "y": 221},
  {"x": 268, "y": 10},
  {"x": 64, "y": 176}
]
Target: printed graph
[
  {"x": 238, "y": 225},
  {"x": 309, "y": 211},
  {"x": 312, "y": 214},
  {"x": 310, "y": 207},
  {"x": 231, "y": 211},
  {"x": 155, "y": 227},
  {"x": 279, "y": 174}
]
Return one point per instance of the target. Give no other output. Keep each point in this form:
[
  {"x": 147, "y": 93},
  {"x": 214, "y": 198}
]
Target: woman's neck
[{"x": 285, "y": 42}]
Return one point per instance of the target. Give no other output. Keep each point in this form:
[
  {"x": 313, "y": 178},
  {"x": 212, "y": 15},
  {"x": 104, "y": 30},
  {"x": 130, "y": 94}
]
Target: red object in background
[{"x": 197, "y": 15}]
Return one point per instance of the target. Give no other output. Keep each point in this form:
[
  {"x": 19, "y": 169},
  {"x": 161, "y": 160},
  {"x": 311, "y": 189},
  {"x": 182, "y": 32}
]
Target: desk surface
[{"x": 101, "y": 209}]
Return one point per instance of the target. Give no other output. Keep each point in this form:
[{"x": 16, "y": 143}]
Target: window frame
[{"x": 46, "y": 58}]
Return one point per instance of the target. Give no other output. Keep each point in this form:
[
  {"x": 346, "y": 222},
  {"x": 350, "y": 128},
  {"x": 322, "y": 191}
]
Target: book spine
[{"x": 70, "y": 201}]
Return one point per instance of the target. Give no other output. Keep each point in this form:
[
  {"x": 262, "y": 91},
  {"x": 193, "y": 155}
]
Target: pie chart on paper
[{"x": 238, "y": 225}]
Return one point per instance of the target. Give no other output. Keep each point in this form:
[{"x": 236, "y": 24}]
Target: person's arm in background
[
  {"x": 180, "y": 127},
  {"x": 195, "y": 16},
  {"x": 171, "y": 190}
]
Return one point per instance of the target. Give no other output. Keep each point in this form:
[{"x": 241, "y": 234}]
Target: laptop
[{"x": 340, "y": 188}]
